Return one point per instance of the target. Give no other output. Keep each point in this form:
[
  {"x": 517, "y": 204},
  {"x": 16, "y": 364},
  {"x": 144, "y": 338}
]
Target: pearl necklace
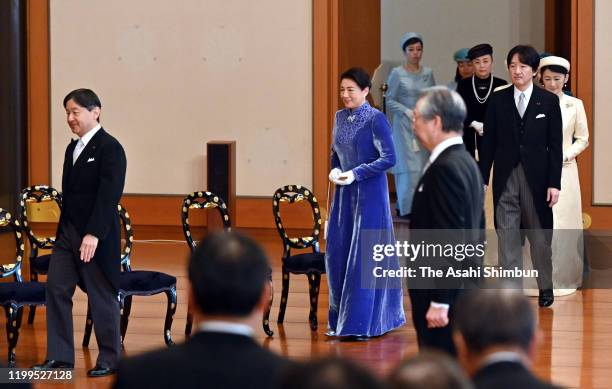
[{"x": 484, "y": 99}]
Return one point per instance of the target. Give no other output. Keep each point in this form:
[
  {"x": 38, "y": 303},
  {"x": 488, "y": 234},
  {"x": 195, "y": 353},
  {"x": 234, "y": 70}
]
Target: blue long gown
[
  {"x": 404, "y": 90},
  {"x": 360, "y": 304}
]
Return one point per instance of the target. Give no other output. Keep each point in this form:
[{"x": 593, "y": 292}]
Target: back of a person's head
[
  {"x": 329, "y": 373},
  {"x": 495, "y": 317},
  {"x": 429, "y": 369},
  {"x": 228, "y": 272}
]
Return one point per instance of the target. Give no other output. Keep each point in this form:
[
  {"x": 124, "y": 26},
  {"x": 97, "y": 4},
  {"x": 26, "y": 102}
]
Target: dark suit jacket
[
  {"x": 508, "y": 375},
  {"x": 534, "y": 140},
  {"x": 448, "y": 199},
  {"x": 91, "y": 190},
  {"x": 206, "y": 360}
]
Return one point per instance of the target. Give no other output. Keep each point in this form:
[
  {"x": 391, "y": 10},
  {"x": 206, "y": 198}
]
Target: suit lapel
[
  {"x": 512, "y": 112},
  {"x": 535, "y": 102},
  {"x": 90, "y": 147}
]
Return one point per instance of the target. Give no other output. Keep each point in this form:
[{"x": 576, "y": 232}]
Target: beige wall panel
[
  {"x": 602, "y": 114},
  {"x": 174, "y": 75},
  {"x": 448, "y": 25}
]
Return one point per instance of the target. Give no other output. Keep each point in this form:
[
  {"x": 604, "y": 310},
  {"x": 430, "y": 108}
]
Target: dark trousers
[
  {"x": 516, "y": 210},
  {"x": 66, "y": 270},
  {"x": 440, "y": 339}
]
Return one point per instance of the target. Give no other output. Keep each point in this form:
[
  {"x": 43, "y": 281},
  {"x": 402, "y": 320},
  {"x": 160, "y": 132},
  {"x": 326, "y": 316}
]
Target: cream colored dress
[{"x": 568, "y": 245}]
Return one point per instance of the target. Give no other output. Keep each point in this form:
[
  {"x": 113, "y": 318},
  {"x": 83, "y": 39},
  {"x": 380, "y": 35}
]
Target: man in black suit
[
  {"x": 523, "y": 135},
  {"x": 447, "y": 209},
  {"x": 228, "y": 278},
  {"x": 495, "y": 334},
  {"x": 87, "y": 249}
]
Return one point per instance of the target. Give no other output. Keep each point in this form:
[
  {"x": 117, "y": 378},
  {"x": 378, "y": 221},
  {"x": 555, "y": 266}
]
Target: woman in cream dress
[{"x": 568, "y": 245}]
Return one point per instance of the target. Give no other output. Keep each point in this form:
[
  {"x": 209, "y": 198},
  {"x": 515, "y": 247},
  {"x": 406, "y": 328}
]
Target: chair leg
[
  {"x": 189, "y": 323},
  {"x": 314, "y": 281},
  {"x": 125, "y": 305},
  {"x": 88, "y": 327},
  {"x": 171, "y": 293},
  {"x": 284, "y": 295},
  {"x": 33, "y": 278},
  {"x": 14, "y": 315},
  {"x": 266, "y": 314}
]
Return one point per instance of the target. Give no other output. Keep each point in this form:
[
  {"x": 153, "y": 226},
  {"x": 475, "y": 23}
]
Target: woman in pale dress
[
  {"x": 568, "y": 245},
  {"x": 405, "y": 85}
]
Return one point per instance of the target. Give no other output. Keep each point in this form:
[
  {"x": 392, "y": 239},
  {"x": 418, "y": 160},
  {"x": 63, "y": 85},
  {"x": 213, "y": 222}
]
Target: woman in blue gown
[
  {"x": 360, "y": 304},
  {"x": 405, "y": 85}
]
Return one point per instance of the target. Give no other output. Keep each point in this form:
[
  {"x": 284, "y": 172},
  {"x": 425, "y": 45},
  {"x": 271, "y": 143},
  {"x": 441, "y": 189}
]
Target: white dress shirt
[
  {"x": 527, "y": 92},
  {"x": 440, "y": 147},
  {"x": 226, "y": 327},
  {"x": 82, "y": 142}
]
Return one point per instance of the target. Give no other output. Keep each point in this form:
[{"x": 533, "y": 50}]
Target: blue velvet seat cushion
[
  {"x": 305, "y": 263},
  {"x": 144, "y": 281},
  {"x": 40, "y": 264},
  {"x": 22, "y": 293}
]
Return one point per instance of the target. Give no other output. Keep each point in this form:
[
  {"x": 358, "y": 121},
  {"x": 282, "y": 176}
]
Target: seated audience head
[
  {"x": 229, "y": 274},
  {"x": 439, "y": 113},
  {"x": 493, "y": 320},
  {"x": 329, "y": 373},
  {"x": 429, "y": 369}
]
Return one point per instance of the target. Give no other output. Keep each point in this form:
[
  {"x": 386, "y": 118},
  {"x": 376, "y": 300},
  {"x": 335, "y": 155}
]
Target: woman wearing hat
[
  {"x": 464, "y": 68},
  {"x": 405, "y": 84},
  {"x": 567, "y": 246}
]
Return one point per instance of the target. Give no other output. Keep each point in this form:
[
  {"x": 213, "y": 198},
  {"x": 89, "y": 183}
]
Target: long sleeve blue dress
[
  {"x": 404, "y": 90},
  {"x": 361, "y": 304}
]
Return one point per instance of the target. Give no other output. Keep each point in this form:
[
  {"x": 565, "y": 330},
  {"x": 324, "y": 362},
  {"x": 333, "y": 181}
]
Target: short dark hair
[
  {"x": 228, "y": 272},
  {"x": 554, "y": 68},
  {"x": 359, "y": 75},
  {"x": 526, "y": 54},
  {"x": 412, "y": 41},
  {"x": 445, "y": 103},
  {"x": 329, "y": 373},
  {"x": 86, "y": 98},
  {"x": 494, "y": 317},
  {"x": 430, "y": 369}
]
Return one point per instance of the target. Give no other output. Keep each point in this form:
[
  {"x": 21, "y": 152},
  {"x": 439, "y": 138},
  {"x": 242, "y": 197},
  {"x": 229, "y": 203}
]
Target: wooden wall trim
[
  {"x": 39, "y": 140},
  {"x": 583, "y": 62}
]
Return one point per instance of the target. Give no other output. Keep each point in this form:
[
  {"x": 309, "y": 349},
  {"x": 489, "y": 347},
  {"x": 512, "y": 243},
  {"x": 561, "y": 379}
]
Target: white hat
[{"x": 554, "y": 60}]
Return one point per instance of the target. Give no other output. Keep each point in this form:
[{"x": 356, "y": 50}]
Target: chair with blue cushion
[
  {"x": 14, "y": 296},
  {"x": 311, "y": 264},
  {"x": 200, "y": 200},
  {"x": 138, "y": 283},
  {"x": 39, "y": 264}
]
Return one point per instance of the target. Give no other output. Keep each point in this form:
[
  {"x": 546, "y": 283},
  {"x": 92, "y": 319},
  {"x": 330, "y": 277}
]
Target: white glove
[
  {"x": 408, "y": 112},
  {"x": 345, "y": 178},
  {"x": 334, "y": 174},
  {"x": 478, "y": 126}
]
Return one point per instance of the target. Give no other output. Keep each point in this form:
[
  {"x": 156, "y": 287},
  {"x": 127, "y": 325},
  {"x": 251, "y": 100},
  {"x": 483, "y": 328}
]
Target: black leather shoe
[
  {"x": 53, "y": 364},
  {"x": 546, "y": 297},
  {"x": 100, "y": 371}
]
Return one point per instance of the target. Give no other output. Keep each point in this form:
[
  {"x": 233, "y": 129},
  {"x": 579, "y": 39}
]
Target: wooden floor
[{"x": 576, "y": 347}]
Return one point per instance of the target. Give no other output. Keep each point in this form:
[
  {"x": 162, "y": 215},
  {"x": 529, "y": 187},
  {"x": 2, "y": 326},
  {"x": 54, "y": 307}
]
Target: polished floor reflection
[{"x": 575, "y": 348}]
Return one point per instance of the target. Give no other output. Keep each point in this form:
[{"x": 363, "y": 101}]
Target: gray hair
[{"x": 445, "y": 103}]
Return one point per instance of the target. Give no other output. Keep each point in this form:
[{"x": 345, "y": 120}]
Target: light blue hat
[
  {"x": 461, "y": 55},
  {"x": 407, "y": 36}
]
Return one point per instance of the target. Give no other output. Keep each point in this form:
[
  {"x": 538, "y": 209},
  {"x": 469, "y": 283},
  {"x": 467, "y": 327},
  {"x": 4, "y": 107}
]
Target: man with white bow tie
[
  {"x": 87, "y": 248},
  {"x": 523, "y": 138}
]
